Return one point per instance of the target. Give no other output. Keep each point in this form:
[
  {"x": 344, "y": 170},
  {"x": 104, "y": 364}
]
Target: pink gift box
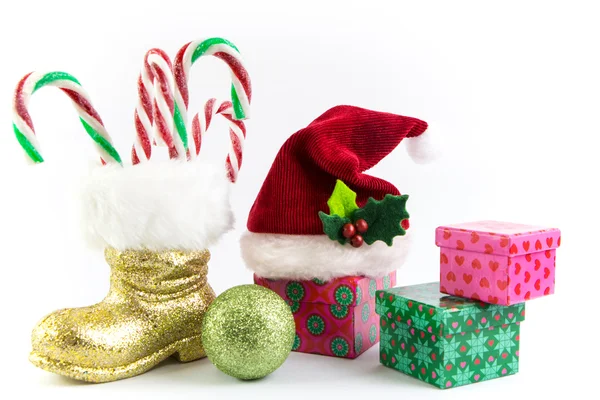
[
  {"x": 335, "y": 318},
  {"x": 497, "y": 262}
]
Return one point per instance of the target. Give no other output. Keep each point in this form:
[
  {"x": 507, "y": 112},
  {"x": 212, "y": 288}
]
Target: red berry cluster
[{"x": 354, "y": 232}]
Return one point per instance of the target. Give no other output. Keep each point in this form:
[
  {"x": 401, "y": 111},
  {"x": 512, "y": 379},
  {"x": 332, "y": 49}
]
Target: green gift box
[{"x": 444, "y": 340}]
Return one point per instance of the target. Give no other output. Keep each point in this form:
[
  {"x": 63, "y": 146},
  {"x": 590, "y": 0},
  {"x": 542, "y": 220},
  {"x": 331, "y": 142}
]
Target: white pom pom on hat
[{"x": 422, "y": 149}]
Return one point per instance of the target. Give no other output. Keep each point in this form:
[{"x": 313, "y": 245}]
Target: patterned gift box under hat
[
  {"x": 444, "y": 340},
  {"x": 335, "y": 318},
  {"x": 497, "y": 262}
]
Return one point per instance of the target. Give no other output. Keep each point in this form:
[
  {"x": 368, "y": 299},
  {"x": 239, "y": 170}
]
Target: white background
[{"x": 512, "y": 90}]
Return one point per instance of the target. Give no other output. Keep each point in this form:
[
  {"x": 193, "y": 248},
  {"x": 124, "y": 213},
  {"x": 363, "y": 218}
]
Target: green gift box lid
[{"x": 424, "y": 307}]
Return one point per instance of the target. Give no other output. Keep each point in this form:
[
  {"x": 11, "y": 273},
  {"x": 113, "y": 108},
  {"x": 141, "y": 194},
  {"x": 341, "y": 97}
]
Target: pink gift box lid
[{"x": 495, "y": 237}]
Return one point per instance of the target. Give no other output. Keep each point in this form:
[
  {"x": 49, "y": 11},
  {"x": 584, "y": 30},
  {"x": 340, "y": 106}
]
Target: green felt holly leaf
[
  {"x": 332, "y": 226},
  {"x": 342, "y": 201},
  {"x": 384, "y": 218}
]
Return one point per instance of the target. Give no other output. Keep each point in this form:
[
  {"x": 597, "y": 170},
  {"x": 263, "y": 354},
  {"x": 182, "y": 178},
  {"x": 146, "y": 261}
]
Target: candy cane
[
  {"x": 237, "y": 133},
  {"x": 143, "y": 115},
  {"x": 155, "y": 109},
  {"x": 241, "y": 90},
  {"x": 23, "y": 125}
]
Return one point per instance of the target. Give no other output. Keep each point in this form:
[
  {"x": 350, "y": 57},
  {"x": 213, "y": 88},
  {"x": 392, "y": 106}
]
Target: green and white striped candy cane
[
  {"x": 91, "y": 121},
  {"x": 241, "y": 89}
]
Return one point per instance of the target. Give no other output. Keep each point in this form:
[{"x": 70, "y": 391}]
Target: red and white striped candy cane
[
  {"x": 142, "y": 145},
  {"x": 88, "y": 116},
  {"x": 241, "y": 90},
  {"x": 237, "y": 133},
  {"x": 154, "y": 115}
]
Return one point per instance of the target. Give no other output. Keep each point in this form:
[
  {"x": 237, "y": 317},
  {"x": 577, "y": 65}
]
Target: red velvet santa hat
[{"x": 286, "y": 237}]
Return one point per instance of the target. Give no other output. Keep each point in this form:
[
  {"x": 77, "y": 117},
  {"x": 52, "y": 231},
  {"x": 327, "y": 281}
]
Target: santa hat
[{"x": 304, "y": 220}]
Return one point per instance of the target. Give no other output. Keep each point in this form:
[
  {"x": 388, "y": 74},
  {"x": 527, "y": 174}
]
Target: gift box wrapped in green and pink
[{"x": 445, "y": 340}]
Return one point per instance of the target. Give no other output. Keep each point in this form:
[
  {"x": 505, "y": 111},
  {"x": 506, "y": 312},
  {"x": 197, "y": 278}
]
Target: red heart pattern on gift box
[
  {"x": 522, "y": 280},
  {"x": 505, "y": 266}
]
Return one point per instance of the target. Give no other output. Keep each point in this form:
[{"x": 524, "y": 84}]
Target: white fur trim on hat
[
  {"x": 156, "y": 205},
  {"x": 303, "y": 257},
  {"x": 422, "y": 149}
]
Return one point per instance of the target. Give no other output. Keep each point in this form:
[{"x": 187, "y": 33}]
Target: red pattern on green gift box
[
  {"x": 335, "y": 318},
  {"x": 447, "y": 341}
]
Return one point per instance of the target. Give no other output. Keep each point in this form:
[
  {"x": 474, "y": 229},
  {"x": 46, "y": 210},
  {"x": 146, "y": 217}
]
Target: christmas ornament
[
  {"x": 248, "y": 332},
  {"x": 155, "y": 221},
  {"x": 318, "y": 215}
]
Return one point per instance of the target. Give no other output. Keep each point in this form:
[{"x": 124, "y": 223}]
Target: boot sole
[{"x": 185, "y": 350}]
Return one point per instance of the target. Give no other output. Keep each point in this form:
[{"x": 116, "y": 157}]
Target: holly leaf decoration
[
  {"x": 384, "y": 218},
  {"x": 332, "y": 226},
  {"x": 342, "y": 201}
]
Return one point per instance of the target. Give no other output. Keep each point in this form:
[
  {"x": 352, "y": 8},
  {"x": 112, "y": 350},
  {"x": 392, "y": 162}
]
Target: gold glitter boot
[{"x": 154, "y": 310}]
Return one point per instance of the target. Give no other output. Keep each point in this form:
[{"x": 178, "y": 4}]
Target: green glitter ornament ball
[{"x": 248, "y": 332}]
